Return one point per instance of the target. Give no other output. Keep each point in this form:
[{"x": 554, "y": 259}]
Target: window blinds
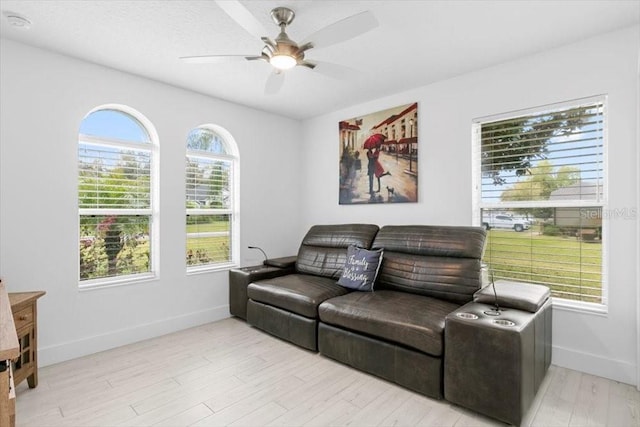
[
  {"x": 542, "y": 196},
  {"x": 112, "y": 177},
  {"x": 525, "y": 158},
  {"x": 209, "y": 206},
  {"x": 114, "y": 200}
]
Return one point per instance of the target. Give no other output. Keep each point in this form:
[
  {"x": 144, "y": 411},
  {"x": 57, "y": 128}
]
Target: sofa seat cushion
[
  {"x": 297, "y": 293},
  {"x": 415, "y": 321}
]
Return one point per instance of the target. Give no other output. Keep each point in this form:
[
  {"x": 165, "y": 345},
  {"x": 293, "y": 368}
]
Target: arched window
[
  {"x": 211, "y": 199},
  {"x": 116, "y": 179}
]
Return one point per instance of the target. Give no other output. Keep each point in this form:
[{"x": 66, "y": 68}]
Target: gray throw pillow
[{"x": 360, "y": 269}]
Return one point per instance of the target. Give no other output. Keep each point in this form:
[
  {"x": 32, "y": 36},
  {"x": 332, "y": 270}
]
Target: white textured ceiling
[{"x": 417, "y": 42}]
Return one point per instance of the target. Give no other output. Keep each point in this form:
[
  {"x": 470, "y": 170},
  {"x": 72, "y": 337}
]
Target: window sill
[
  {"x": 210, "y": 268},
  {"x": 580, "y": 307},
  {"x": 90, "y": 285}
]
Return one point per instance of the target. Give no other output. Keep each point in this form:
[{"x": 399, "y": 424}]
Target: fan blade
[
  {"x": 243, "y": 17},
  {"x": 274, "y": 83},
  {"x": 335, "y": 71},
  {"x": 217, "y": 59},
  {"x": 343, "y": 30}
]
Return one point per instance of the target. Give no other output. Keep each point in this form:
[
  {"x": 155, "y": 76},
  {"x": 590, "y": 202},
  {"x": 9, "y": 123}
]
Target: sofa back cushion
[
  {"x": 323, "y": 251},
  {"x": 437, "y": 261}
]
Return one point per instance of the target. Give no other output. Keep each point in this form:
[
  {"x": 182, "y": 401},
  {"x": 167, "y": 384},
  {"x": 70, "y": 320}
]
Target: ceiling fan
[{"x": 282, "y": 52}]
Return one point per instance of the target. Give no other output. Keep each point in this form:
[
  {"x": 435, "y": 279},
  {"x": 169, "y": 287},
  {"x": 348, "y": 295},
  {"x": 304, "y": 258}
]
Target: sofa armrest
[
  {"x": 284, "y": 262},
  {"x": 240, "y": 278},
  {"x": 516, "y": 295},
  {"x": 495, "y": 364}
]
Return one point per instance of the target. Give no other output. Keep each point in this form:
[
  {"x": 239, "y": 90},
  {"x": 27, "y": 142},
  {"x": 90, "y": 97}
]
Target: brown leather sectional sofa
[{"x": 427, "y": 281}]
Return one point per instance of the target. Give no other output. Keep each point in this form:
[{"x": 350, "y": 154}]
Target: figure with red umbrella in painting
[{"x": 372, "y": 145}]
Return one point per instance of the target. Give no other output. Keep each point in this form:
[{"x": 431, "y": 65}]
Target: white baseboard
[
  {"x": 71, "y": 350},
  {"x": 617, "y": 370}
]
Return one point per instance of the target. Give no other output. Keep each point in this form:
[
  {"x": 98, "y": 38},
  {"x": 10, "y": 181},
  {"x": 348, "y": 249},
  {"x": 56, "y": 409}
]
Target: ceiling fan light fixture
[
  {"x": 283, "y": 62},
  {"x": 282, "y": 52}
]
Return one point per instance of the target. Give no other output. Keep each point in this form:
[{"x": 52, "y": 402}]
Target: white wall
[
  {"x": 44, "y": 98},
  {"x": 602, "y": 345}
]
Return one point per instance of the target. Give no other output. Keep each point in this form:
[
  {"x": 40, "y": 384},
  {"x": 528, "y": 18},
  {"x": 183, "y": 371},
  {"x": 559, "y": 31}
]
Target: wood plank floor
[{"x": 227, "y": 373}]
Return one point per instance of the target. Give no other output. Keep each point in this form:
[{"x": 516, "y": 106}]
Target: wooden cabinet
[
  {"x": 18, "y": 347},
  {"x": 9, "y": 350},
  {"x": 25, "y": 317}
]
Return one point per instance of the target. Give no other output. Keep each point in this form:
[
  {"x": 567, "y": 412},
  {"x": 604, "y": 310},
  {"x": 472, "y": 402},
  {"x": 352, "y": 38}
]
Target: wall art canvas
[{"x": 379, "y": 157}]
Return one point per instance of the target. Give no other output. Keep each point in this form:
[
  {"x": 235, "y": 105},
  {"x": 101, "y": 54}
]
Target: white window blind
[
  {"x": 541, "y": 196},
  {"x": 115, "y": 176},
  {"x": 209, "y": 201},
  {"x": 208, "y": 182},
  {"x": 115, "y": 157}
]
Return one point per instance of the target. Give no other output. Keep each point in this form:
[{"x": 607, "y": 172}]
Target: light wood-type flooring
[{"x": 227, "y": 373}]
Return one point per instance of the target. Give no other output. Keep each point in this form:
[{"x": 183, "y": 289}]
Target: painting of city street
[{"x": 379, "y": 157}]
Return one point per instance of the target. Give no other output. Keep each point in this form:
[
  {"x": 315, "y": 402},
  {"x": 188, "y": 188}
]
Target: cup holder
[
  {"x": 504, "y": 322},
  {"x": 465, "y": 315}
]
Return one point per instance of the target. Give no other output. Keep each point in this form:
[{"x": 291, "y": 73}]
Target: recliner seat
[
  {"x": 426, "y": 273},
  {"x": 287, "y": 306},
  {"x": 298, "y": 293},
  {"x": 414, "y": 321}
]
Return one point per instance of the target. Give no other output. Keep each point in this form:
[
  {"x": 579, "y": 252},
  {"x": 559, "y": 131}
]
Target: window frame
[
  {"x": 602, "y": 202},
  {"x": 232, "y": 156},
  {"x": 152, "y": 211}
]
